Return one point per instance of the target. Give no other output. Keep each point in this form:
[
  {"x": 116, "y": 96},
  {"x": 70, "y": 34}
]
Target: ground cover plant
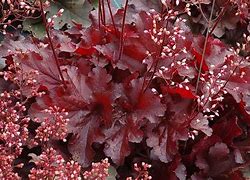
[{"x": 147, "y": 90}]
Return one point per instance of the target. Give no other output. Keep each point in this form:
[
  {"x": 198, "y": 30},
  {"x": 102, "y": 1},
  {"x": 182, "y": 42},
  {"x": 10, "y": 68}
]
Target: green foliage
[
  {"x": 77, "y": 11},
  {"x": 117, "y": 3},
  {"x": 37, "y": 28},
  {"x": 112, "y": 173}
]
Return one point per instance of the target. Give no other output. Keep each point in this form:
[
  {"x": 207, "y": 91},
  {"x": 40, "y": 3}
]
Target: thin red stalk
[
  {"x": 156, "y": 64},
  {"x": 204, "y": 48},
  {"x": 225, "y": 82},
  {"x": 51, "y": 44},
  {"x": 155, "y": 67},
  {"x": 151, "y": 77},
  {"x": 103, "y": 12},
  {"x": 218, "y": 20},
  {"x": 157, "y": 60},
  {"x": 99, "y": 13},
  {"x": 204, "y": 16},
  {"x": 112, "y": 17},
  {"x": 144, "y": 80},
  {"x": 122, "y": 33}
]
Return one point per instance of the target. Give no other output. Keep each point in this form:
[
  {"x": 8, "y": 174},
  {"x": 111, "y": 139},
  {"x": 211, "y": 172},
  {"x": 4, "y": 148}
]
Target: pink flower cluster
[
  {"x": 54, "y": 127},
  {"x": 141, "y": 171},
  {"x": 99, "y": 171},
  {"x": 53, "y": 166},
  {"x": 13, "y": 132}
]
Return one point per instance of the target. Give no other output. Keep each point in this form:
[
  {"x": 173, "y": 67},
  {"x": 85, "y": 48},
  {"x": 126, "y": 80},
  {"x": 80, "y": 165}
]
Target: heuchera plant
[{"x": 140, "y": 84}]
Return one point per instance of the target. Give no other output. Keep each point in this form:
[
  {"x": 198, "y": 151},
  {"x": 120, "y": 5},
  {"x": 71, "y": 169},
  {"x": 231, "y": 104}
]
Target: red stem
[
  {"x": 51, "y": 45},
  {"x": 122, "y": 33},
  {"x": 99, "y": 13},
  {"x": 156, "y": 63},
  {"x": 103, "y": 12},
  {"x": 112, "y": 17},
  {"x": 204, "y": 48},
  {"x": 218, "y": 19},
  {"x": 155, "y": 66}
]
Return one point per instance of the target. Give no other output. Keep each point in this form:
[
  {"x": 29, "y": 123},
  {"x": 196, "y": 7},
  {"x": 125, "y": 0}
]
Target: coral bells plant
[{"x": 147, "y": 89}]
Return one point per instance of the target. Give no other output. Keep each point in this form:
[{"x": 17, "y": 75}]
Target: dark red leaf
[
  {"x": 227, "y": 130},
  {"x": 88, "y": 101},
  {"x": 214, "y": 55},
  {"x": 181, "y": 91},
  {"x": 164, "y": 143},
  {"x": 44, "y": 63},
  {"x": 142, "y": 104},
  {"x": 176, "y": 170},
  {"x": 236, "y": 175},
  {"x": 85, "y": 51},
  {"x": 219, "y": 150},
  {"x": 118, "y": 138},
  {"x": 199, "y": 60},
  {"x": 201, "y": 123},
  {"x": 80, "y": 145},
  {"x": 131, "y": 61}
]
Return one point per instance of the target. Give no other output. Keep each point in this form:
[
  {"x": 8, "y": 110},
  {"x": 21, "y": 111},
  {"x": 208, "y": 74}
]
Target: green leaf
[
  {"x": 77, "y": 10},
  {"x": 37, "y": 28},
  {"x": 112, "y": 173},
  {"x": 95, "y": 3},
  {"x": 117, "y": 3},
  {"x": 246, "y": 172}
]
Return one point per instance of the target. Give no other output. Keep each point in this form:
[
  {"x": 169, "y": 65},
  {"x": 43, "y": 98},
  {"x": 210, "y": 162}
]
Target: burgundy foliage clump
[{"x": 151, "y": 82}]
